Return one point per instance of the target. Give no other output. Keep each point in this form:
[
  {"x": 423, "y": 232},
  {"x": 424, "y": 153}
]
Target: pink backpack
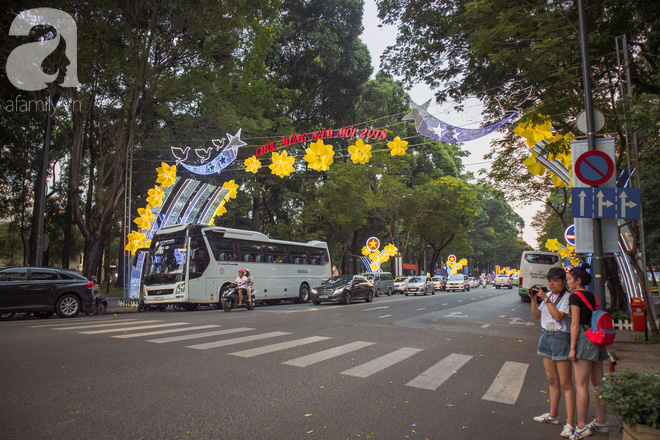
[{"x": 601, "y": 333}]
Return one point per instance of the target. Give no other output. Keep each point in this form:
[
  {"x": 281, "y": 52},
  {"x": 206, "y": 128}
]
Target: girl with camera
[{"x": 554, "y": 346}]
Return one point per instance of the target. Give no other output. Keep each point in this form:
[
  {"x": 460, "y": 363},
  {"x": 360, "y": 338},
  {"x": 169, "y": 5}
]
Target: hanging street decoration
[
  {"x": 319, "y": 156},
  {"x": 373, "y": 257},
  {"x": 282, "y": 164},
  {"x": 431, "y": 127},
  {"x": 360, "y": 152},
  {"x": 218, "y": 163}
]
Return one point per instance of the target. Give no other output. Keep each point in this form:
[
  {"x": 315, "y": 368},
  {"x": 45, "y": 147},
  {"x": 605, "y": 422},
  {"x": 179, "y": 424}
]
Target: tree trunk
[{"x": 618, "y": 300}]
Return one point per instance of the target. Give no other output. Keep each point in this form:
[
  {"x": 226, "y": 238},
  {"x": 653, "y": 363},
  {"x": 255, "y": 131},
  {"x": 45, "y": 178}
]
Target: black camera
[{"x": 536, "y": 289}]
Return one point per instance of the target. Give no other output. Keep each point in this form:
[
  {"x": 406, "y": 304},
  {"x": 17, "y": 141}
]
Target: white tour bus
[
  {"x": 191, "y": 264},
  {"x": 534, "y": 266}
]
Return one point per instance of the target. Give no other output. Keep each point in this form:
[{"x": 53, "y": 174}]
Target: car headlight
[
  {"x": 338, "y": 292},
  {"x": 314, "y": 291},
  {"x": 180, "y": 289}
]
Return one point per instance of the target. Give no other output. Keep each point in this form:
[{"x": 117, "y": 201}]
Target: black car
[
  {"x": 44, "y": 291},
  {"x": 343, "y": 289}
]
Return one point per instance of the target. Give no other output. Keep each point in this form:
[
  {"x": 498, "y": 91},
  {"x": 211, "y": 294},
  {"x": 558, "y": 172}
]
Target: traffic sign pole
[{"x": 597, "y": 258}]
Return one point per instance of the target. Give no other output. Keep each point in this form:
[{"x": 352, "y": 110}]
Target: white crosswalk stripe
[
  {"x": 59, "y": 323},
  {"x": 381, "y": 363},
  {"x": 113, "y": 324},
  {"x": 435, "y": 376},
  {"x": 507, "y": 384},
  {"x": 241, "y": 340},
  {"x": 164, "y": 332},
  {"x": 324, "y": 355},
  {"x": 199, "y": 335},
  {"x": 278, "y": 347},
  {"x": 124, "y": 329}
]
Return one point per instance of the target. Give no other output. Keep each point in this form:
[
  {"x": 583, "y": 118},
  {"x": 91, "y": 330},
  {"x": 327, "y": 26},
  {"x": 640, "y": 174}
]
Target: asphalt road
[{"x": 457, "y": 365}]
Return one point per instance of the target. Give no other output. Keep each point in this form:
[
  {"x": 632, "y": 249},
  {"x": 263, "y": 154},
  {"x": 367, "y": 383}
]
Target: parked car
[
  {"x": 400, "y": 284},
  {"x": 421, "y": 285},
  {"x": 503, "y": 281},
  {"x": 44, "y": 291},
  {"x": 383, "y": 282},
  {"x": 474, "y": 283},
  {"x": 439, "y": 283},
  {"x": 458, "y": 282},
  {"x": 343, "y": 289}
]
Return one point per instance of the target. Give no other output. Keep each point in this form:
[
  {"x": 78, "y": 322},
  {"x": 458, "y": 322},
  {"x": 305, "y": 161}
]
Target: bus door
[{"x": 198, "y": 264}]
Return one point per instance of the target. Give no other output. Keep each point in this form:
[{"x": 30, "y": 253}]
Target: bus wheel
[
  {"x": 304, "y": 295},
  {"x": 190, "y": 307}
]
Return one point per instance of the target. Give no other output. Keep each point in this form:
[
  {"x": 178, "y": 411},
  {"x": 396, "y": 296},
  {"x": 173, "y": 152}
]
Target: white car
[
  {"x": 503, "y": 281},
  {"x": 474, "y": 283},
  {"x": 400, "y": 284},
  {"x": 422, "y": 285},
  {"x": 458, "y": 282}
]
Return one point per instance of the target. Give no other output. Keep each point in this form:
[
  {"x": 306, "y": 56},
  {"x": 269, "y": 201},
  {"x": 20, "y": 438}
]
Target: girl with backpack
[
  {"x": 587, "y": 358},
  {"x": 554, "y": 346}
]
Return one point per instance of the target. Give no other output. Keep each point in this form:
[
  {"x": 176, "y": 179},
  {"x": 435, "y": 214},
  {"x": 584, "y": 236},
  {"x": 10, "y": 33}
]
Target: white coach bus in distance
[
  {"x": 189, "y": 265},
  {"x": 534, "y": 266}
]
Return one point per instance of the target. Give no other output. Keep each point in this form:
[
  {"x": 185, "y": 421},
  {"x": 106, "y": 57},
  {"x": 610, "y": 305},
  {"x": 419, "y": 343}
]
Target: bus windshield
[{"x": 167, "y": 260}]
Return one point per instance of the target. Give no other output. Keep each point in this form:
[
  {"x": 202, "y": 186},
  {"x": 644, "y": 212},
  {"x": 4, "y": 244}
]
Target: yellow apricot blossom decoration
[
  {"x": 282, "y": 164},
  {"x": 155, "y": 197},
  {"x": 221, "y": 209},
  {"x": 232, "y": 187},
  {"x": 534, "y": 167},
  {"x": 375, "y": 266},
  {"x": 533, "y": 133},
  {"x": 365, "y": 251},
  {"x": 360, "y": 152},
  {"x": 398, "y": 146},
  {"x": 319, "y": 156},
  {"x": 166, "y": 174},
  {"x": 390, "y": 250},
  {"x": 252, "y": 164},
  {"x": 145, "y": 218},
  {"x": 135, "y": 241},
  {"x": 373, "y": 256}
]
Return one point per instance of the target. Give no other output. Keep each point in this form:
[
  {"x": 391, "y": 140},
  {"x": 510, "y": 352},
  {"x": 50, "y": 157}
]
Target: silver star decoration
[{"x": 418, "y": 113}]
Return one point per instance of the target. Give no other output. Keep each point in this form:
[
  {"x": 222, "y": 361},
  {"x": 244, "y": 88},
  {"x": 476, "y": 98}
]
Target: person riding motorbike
[{"x": 241, "y": 285}]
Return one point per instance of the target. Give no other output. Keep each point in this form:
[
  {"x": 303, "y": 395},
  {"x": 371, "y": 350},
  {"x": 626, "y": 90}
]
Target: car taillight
[
  {"x": 520, "y": 281},
  {"x": 90, "y": 285}
]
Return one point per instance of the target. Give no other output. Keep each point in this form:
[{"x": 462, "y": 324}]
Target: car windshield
[
  {"x": 167, "y": 261},
  {"x": 456, "y": 278},
  {"x": 417, "y": 280},
  {"x": 341, "y": 279}
]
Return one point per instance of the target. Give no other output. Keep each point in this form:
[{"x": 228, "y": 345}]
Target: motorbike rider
[
  {"x": 249, "y": 284},
  {"x": 241, "y": 284}
]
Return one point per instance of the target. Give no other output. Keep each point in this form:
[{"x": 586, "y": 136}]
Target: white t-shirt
[
  {"x": 546, "y": 318},
  {"x": 241, "y": 281}
]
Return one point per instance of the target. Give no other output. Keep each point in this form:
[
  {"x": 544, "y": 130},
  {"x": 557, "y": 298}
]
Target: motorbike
[
  {"x": 229, "y": 299},
  {"x": 99, "y": 305}
]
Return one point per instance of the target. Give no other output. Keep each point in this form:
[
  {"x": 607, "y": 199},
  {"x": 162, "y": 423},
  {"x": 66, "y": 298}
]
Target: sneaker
[
  {"x": 568, "y": 431},
  {"x": 545, "y": 418},
  {"x": 597, "y": 427},
  {"x": 581, "y": 433}
]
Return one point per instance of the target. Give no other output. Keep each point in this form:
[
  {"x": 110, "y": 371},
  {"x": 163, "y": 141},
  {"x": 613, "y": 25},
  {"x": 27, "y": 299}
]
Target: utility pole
[{"x": 598, "y": 283}]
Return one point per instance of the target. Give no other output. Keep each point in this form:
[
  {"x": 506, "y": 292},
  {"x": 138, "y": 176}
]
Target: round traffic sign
[
  {"x": 594, "y": 168},
  {"x": 569, "y": 235}
]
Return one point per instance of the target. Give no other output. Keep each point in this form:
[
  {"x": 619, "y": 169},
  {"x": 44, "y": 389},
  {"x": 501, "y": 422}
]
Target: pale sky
[{"x": 377, "y": 39}]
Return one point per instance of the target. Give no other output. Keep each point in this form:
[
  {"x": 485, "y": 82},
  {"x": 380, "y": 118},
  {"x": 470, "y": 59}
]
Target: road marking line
[
  {"x": 324, "y": 355},
  {"x": 376, "y": 308},
  {"x": 114, "y": 324},
  {"x": 381, "y": 363},
  {"x": 226, "y": 342},
  {"x": 460, "y": 300},
  {"x": 458, "y": 314},
  {"x": 200, "y": 335},
  {"x": 445, "y": 304},
  {"x": 507, "y": 384},
  {"x": 278, "y": 347},
  {"x": 76, "y": 322},
  {"x": 435, "y": 376},
  {"x": 502, "y": 316},
  {"x": 423, "y": 308},
  {"x": 485, "y": 326},
  {"x": 163, "y": 332},
  {"x": 384, "y": 316},
  {"x": 124, "y": 329}
]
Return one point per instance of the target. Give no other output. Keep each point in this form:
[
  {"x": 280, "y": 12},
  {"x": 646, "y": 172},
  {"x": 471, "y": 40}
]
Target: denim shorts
[
  {"x": 554, "y": 345},
  {"x": 588, "y": 351}
]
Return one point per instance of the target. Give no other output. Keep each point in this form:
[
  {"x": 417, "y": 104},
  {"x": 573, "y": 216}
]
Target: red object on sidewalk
[{"x": 638, "y": 314}]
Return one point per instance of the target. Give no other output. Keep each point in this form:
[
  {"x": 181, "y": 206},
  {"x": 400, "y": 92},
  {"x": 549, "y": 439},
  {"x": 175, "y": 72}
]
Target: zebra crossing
[{"x": 505, "y": 388}]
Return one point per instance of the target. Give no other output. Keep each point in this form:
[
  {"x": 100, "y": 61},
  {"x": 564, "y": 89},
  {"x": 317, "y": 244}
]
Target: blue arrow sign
[{"x": 599, "y": 202}]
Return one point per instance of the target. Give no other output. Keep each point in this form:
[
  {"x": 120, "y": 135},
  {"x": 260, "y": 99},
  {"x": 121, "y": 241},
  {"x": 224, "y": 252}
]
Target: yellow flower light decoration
[
  {"x": 145, "y": 218},
  {"x": 375, "y": 266},
  {"x": 136, "y": 240},
  {"x": 374, "y": 256},
  {"x": 533, "y": 133},
  {"x": 390, "y": 250},
  {"x": 155, "y": 196},
  {"x": 252, "y": 164},
  {"x": 360, "y": 152},
  {"x": 166, "y": 174},
  {"x": 534, "y": 167},
  {"x": 232, "y": 187},
  {"x": 221, "y": 209},
  {"x": 398, "y": 146},
  {"x": 282, "y": 164},
  {"x": 365, "y": 251},
  {"x": 319, "y": 156}
]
